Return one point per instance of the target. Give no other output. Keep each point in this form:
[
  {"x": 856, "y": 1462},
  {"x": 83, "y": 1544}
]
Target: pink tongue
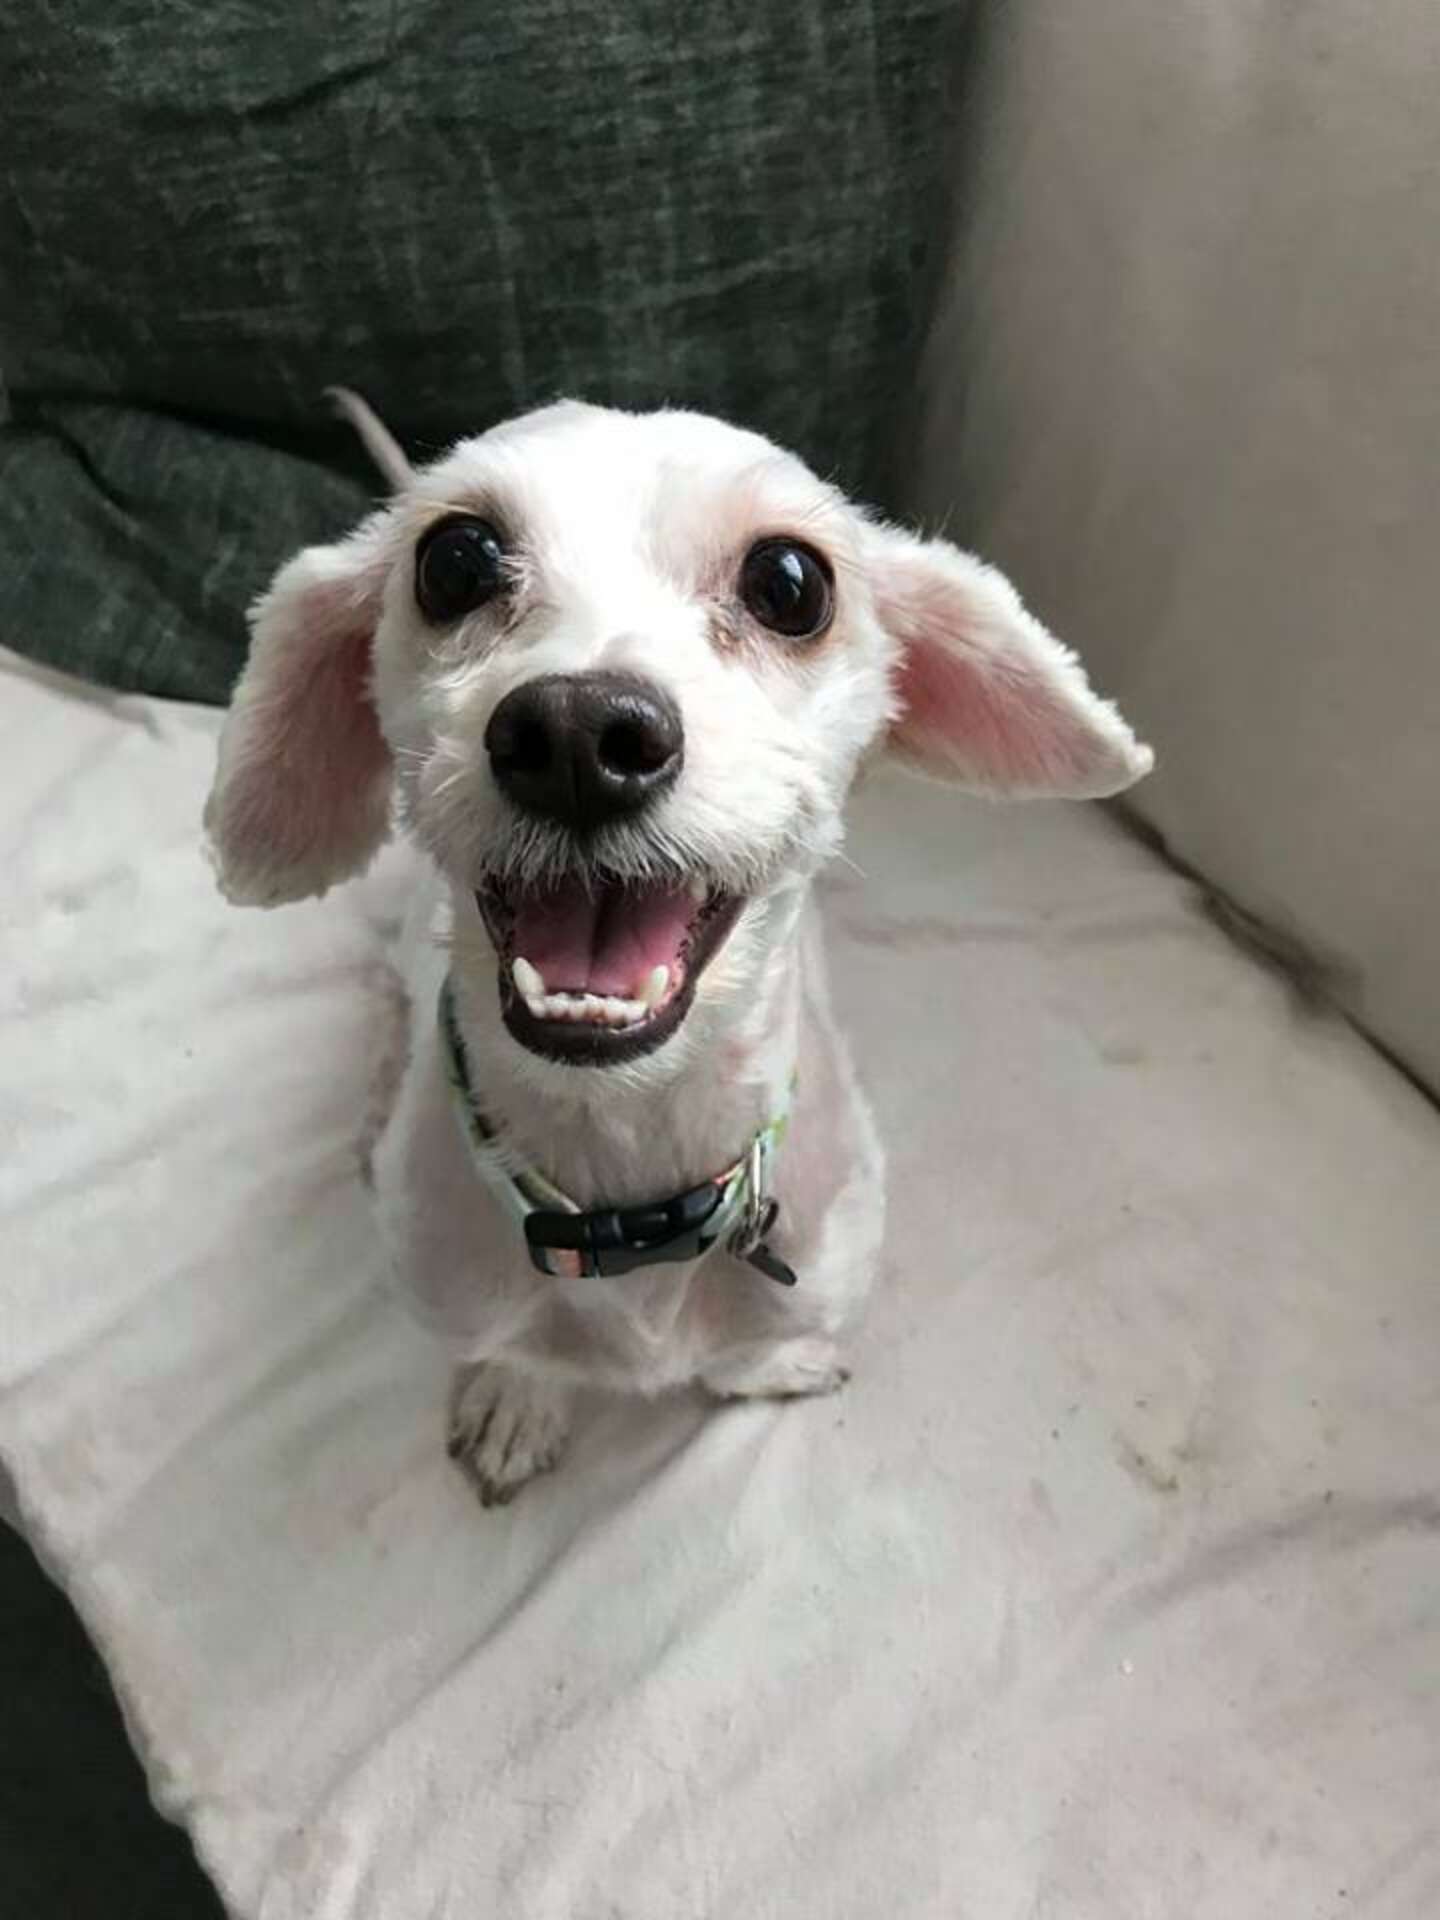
[{"x": 608, "y": 941}]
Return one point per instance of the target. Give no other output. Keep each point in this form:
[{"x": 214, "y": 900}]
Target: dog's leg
[
  {"x": 505, "y": 1427},
  {"x": 783, "y": 1370}
]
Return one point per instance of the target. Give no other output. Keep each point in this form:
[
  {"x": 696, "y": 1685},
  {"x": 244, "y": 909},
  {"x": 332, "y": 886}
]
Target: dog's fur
[{"x": 626, "y": 535}]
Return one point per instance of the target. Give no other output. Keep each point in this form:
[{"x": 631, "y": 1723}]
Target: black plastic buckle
[{"x": 617, "y": 1240}]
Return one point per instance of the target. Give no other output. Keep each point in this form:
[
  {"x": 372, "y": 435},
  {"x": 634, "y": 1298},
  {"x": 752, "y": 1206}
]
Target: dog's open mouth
[{"x": 596, "y": 969}]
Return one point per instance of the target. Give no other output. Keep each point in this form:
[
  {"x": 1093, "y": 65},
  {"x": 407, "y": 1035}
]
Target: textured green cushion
[
  {"x": 131, "y": 543},
  {"x": 212, "y": 212}
]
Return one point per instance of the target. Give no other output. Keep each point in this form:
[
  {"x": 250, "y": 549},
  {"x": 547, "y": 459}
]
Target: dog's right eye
[
  {"x": 789, "y": 588},
  {"x": 459, "y": 565}
]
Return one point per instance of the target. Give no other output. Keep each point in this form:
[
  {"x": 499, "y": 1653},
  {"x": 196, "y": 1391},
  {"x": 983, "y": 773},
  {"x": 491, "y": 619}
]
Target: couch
[{"x": 1109, "y": 1587}]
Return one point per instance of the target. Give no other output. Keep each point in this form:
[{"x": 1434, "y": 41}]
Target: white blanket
[{"x": 1110, "y": 1587}]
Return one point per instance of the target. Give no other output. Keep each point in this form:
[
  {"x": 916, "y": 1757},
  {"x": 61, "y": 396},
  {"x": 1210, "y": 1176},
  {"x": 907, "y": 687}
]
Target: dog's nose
[{"x": 583, "y": 748}]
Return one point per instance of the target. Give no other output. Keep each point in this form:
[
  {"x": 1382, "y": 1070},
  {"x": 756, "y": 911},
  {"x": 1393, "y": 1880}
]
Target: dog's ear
[
  {"x": 302, "y": 791},
  {"x": 984, "y": 696}
]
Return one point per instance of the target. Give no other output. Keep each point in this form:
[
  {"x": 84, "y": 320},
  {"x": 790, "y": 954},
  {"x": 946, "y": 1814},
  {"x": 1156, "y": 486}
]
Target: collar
[{"x": 735, "y": 1205}]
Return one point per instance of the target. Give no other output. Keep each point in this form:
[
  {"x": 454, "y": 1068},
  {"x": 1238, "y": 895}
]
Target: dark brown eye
[
  {"x": 788, "y": 587},
  {"x": 459, "y": 565}
]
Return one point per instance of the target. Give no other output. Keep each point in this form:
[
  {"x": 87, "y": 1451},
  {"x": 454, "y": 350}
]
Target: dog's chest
[{"x": 461, "y": 1253}]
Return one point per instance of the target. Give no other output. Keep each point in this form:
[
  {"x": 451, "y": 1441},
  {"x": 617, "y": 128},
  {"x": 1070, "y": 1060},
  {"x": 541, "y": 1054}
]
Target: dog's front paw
[
  {"x": 505, "y": 1427},
  {"x": 789, "y": 1371}
]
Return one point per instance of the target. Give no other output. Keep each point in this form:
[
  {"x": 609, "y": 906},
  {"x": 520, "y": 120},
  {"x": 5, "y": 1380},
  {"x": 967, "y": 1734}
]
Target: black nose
[{"x": 582, "y": 748}]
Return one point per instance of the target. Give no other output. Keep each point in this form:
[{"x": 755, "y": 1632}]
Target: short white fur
[{"x": 625, "y": 535}]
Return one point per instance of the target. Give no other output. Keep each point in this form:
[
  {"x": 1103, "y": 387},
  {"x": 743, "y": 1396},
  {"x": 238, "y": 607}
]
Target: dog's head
[{"x": 618, "y": 672}]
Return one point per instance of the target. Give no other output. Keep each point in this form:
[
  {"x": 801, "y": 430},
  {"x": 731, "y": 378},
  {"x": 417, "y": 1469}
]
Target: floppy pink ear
[
  {"x": 302, "y": 791},
  {"x": 984, "y": 695}
]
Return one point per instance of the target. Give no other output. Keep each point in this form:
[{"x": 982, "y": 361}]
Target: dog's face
[{"x": 618, "y": 672}]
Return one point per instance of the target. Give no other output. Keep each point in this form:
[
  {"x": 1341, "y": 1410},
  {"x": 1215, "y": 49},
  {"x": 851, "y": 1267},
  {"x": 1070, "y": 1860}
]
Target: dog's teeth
[
  {"x": 698, "y": 890},
  {"x": 653, "y": 991},
  {"x": 595, "y": 1009},
  {"x": 528, "y": 980}
]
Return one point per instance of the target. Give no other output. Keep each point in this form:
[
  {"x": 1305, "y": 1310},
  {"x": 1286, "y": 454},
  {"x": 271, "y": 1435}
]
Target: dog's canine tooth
[
  {"x": 697, "y": 889},
  {"x": 528, "y": 979},
  {"x": 653, "y": 991}
]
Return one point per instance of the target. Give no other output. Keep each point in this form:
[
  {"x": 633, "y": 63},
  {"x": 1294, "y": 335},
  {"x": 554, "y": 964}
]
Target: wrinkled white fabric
[{"x": 1110, "y": 1587}]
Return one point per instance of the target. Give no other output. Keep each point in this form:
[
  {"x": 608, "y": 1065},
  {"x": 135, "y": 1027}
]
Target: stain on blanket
[{"x": 1144, "y": 1468}]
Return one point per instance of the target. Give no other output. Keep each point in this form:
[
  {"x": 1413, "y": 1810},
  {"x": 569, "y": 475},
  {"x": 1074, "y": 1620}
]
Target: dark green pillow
[{"x": 211, "y": 212}]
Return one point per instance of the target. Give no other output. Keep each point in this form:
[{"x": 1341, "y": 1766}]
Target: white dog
[{"x": 614, "y": 675}]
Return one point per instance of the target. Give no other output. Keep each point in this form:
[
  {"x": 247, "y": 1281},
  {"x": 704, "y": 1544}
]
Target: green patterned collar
[{"x": 735, "y": 1205}]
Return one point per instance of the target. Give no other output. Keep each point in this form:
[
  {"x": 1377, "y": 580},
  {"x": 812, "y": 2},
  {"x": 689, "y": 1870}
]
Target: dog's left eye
[
  {"x": 459, "y": 565},
  {"x": 788, "y": 587}
]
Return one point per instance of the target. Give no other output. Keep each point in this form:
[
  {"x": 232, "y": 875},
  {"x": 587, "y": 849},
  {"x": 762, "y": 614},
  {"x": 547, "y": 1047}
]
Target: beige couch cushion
[{"x": 1186, "y": 387}]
